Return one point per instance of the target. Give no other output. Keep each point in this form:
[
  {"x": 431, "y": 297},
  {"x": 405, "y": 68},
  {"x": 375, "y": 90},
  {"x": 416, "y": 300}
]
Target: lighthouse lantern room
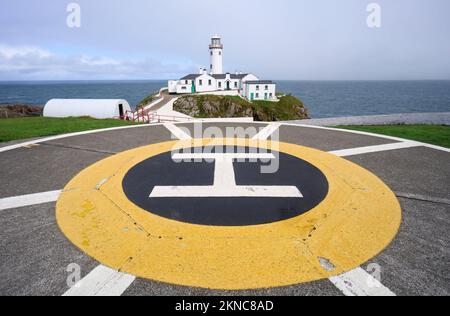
[{"x": 216, "y": 51}]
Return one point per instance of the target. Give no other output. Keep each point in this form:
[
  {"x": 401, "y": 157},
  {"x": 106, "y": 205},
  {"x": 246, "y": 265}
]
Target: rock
[
  {"x": 213, "y": 106},
  {"x": 19, "y": 110}
]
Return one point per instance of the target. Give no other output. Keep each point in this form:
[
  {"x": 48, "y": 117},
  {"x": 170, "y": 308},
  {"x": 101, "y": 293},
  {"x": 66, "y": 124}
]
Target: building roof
[
  {"x": 260, "y": 82},
  {"x": 216, "y": 76},
  {"x": 191, "y": 77},
  {"x": 232, "y": 76}
]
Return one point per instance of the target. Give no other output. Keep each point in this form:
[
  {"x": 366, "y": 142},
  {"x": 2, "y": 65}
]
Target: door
[
  {"x": 228, "y": 86},
  {"x": 265, "y": 96},
  {"x": 252, "y": 96},
  {"x": 121, "y": 114}
]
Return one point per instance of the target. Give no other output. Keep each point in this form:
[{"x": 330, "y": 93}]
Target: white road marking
[
  {"x": 360, "y": 283},
  {"x": 224, "y": 180},
  {"x": 115, "y": 283},
  {"x": 423, "y": 198},
  {"x": 368, "y": 134},
  {"x": 52, "y": 138},
  {"x": 177, "y": 132},
  {"x": 47, "y": 139},
  {"x": 266, "y": 132},
  {"x": 235, "y": 191},
  {"x": 374, "y": 149},
  {"x": 222, "y": 157},
  {"x": 28, "y": 200},
  {"x": 102, "y": 281}
]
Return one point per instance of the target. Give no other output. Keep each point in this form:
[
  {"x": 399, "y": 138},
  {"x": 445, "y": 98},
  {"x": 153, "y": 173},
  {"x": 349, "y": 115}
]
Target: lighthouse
[
  {"x": 216, "y": 51},
  {"x": 215, "y": 81}
]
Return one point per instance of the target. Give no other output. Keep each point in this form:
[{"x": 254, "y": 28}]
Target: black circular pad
[{"x": 161, "y": 170}]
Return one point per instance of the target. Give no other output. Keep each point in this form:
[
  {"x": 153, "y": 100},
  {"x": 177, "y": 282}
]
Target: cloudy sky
[{"x": 277, "y": 39}]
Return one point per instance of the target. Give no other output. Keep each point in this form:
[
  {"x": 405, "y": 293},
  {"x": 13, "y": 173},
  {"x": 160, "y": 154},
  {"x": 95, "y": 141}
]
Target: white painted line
[
  {"x": 348, "y": 131},
  {"x": 436, "y": 147},
  {"x": 222, "y": 157},
  {"x": 224, "y": 180},
  {"x": 373, "y": 149},
  {"x": 266, "y": 132},
  {"x": 177, "y": 132},
  {"x": 423, "y": 198},
  {"x": 360, "y": 283},
  {"x": 102, "y": 281},
  {"x": 235, "y": 191},
  {"x": 366, "y": 134},
  {"x": 48, "y": 139},
  {"x": 28, "y": 200}
]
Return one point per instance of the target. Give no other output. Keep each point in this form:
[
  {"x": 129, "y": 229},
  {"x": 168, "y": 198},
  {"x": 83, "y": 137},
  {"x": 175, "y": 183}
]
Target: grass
[
  {"x": 146, "y": 101},
  {"x": 431, "y": 134},
  {"x": 30, "y": 127},
  {"x": 286, "y": 109}
]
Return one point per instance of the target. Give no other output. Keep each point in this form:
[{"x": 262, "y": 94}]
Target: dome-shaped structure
[{"x": 96, "y": 108}]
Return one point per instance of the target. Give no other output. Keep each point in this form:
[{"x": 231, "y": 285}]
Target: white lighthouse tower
[{"x": 216, "y": 51}]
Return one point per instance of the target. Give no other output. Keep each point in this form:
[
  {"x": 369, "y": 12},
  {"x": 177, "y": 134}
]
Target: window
[
  {"x": 211, "y": 67},
  {"x": 211, "y": 53},
  {"x": 200, "y": 82},
  {"x": 187, "y": 81},
  {"x": 267, "y": 87},
  {"x": 257, "y": 88},
  {"x": 209, "y": 82},
  {"x": 220, "y": 84},
  {"x": 235, "y": 84},
  {"x": 271, "y": 95},
  {"x": 220, "y": 53},
  {"x": 257, "y": 95},
  {"x": 183, "y": 88}
]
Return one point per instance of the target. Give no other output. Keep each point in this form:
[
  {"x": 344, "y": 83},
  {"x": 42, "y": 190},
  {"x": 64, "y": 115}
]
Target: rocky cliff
[{"x": 212, "y": 106}]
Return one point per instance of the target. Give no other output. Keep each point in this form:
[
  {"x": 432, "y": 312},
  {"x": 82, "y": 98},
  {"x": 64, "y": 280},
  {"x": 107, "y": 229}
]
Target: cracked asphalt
[{"x": 35, "y": 254}]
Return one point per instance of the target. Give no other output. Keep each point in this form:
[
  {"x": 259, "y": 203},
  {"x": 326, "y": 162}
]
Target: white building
[
  {"x": 100, "y": 109},
  {"x": 247, "y": 85},
  {"x": 259, "y": 90}
]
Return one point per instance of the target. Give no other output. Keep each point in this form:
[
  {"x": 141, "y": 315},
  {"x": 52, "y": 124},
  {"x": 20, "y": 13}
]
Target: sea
[{"x": 323, "y": 98}]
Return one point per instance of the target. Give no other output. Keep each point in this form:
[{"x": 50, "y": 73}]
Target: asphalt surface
[
  {"x": 36, "y": 255},
  {"x": 390, "y": 119}
]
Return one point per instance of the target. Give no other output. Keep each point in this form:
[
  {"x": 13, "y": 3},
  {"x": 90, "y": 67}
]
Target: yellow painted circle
[{"x": 357, "y": 220}]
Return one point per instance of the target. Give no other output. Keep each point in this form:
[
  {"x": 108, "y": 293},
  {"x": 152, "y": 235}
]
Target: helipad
[{"x": 314, "y": 212}]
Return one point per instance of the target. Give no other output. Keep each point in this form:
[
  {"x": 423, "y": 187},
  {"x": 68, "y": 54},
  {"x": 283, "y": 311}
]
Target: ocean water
[
  {"x": 349, "y": 98},
  {"x": 322, "y": 98},
  {"x": 38, "y": 93}
]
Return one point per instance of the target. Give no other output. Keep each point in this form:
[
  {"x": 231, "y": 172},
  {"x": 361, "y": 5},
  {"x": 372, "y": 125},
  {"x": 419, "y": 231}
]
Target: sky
[{"x": 277, "y": 39}]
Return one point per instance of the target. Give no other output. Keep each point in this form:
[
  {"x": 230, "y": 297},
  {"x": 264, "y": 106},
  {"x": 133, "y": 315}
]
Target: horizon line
[{"x": 159, "y": 80}]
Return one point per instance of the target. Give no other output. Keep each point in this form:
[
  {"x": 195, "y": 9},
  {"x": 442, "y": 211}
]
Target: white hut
[{"x": 95, "y": 108}]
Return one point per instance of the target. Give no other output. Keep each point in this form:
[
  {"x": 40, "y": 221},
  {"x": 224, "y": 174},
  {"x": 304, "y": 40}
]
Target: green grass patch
[
  {"x": 430, "y": 134},
  {"x": 30, "y": 127},
  {"x": 147, "y": 100},
  {"x": 288, "y": 108}
]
